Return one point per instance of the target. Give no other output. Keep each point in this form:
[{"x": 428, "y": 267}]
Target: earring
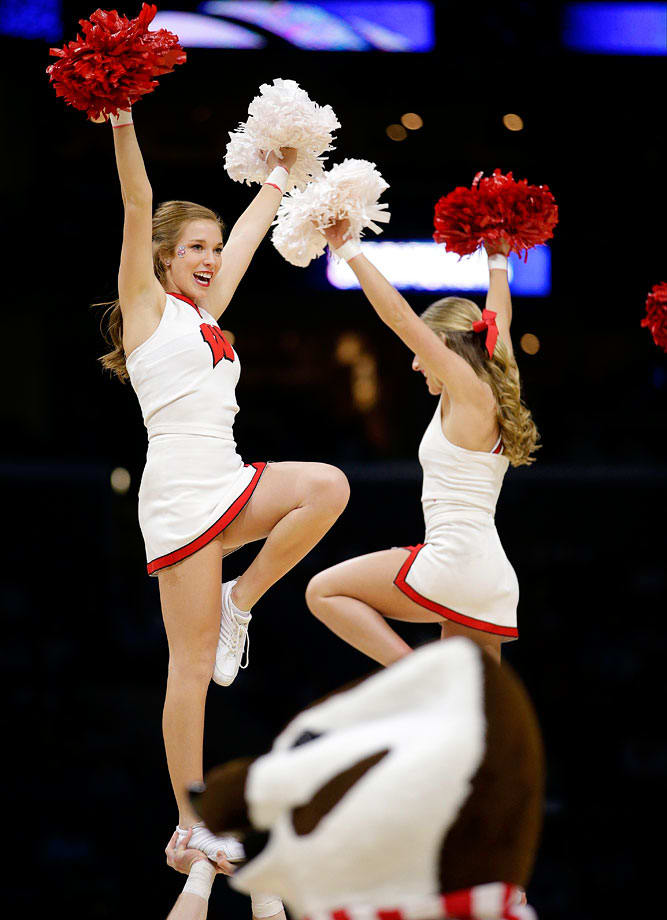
[{"x": 168, "y": 264}]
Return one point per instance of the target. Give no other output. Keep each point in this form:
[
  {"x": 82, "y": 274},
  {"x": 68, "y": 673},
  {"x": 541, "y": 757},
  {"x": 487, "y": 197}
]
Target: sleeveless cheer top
[
  {"x": 194, "y": 483},
  {"x": 458, "y": 483},
  {"x": 185, "y": 374}
]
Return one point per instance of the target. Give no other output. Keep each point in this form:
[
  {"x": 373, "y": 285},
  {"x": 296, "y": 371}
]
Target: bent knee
[
  {"x": 319, "y": 587},
  {"x": 329, "y": 487}
]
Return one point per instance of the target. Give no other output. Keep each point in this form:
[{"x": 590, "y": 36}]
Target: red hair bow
[{"x": 488, "y": 322}]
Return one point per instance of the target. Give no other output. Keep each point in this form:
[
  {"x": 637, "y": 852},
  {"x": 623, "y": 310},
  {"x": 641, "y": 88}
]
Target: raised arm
[
  {"x": 392, "y": 308},
  {"x": 499, "y": 298},
  {"x": 246, "y": 235},
  {"x": 141, "y": 296}
]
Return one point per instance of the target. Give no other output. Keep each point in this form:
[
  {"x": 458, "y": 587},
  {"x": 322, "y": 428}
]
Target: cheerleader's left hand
[{"x": 337, "y": 234}]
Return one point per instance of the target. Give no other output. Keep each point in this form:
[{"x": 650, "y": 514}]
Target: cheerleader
[
  {"x": 198, "y": 500},
  {"x": 459, "y": 576}
]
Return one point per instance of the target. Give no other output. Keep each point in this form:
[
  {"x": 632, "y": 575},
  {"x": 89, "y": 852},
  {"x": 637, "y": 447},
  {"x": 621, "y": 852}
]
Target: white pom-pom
[
  {"x": 349, "y": 191},
  {"x": 283, "y": 115}
]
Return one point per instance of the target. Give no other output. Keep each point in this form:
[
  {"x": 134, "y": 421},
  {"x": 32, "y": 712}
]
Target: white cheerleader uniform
[
  {"x": 194, "y": 482},
  {"x": 461, "y": 571}
]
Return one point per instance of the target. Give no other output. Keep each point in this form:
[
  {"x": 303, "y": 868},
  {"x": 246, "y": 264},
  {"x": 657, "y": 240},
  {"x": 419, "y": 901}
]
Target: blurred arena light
[
  {"x": 365, "y": 383},
  {"x": 530, "y": 343},
  {"x": 513, "y": 122},
  {"x": 120, "y": 480},
  {"x": 396, "y": 132},
  {"x": 616, "y": 28},
  {"x": 422, "y": 265},
  {"x": 321, "y": 25},
  {"x": 348, "y": 348},
  {"x": 412, "y": 121},
  {"x": 196, "y": 30}
]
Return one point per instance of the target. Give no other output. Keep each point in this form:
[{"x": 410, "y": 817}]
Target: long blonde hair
[
  {"x": 454, "y": 317},
  {"x": 168, "y": 221}
]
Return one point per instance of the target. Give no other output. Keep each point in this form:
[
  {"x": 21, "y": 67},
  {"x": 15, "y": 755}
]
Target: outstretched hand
[{"x": 337, "y": 233}]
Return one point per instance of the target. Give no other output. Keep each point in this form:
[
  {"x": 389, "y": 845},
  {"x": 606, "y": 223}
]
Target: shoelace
[
  {"x": 231, "y": 632},
  {"x": 242, "y": 628}
]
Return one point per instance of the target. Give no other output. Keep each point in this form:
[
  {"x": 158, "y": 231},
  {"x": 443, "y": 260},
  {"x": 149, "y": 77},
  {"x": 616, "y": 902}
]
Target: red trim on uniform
[
  {"x": 498, "y": 449},
  {"x": 179, "y": 554},
  {"x": 445, "y": 612},
  {"x": 458, "y": 904},
  {"x": 185, "y": 299},
  {"x": 340, "y": 915},
  {"x": 499, "y": 901}
]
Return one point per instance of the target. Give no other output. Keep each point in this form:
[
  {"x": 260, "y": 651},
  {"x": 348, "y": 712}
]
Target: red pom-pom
[
  {"x": 656, "y": 314},
  {"x": 115, "y": 63},
  {"x": 496, "y": 210}
]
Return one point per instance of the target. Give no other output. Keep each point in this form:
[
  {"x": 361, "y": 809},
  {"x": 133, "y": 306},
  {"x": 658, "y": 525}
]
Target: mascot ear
[
  {"x": 220, "y": 802},
  {"x": 507, "y": 800}
]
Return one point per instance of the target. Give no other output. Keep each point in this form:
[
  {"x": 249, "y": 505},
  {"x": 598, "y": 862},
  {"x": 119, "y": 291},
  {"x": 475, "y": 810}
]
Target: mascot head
[{"x": 417, "y": 792}]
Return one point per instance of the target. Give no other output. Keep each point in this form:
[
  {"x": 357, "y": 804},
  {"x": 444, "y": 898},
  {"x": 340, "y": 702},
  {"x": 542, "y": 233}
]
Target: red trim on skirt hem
[
  {"x": 237, "y": 506},
  {"x": 510, "y": 631}
]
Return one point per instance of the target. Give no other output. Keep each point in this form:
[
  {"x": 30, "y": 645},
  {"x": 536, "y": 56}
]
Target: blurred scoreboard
[{"x": 422, "y": 265}]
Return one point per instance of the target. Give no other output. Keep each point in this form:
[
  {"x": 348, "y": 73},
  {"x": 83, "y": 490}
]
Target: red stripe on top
[
  {"x": 340, "y": 915},
  {"x": 179, "y": 554},
  {"x": 458, "y": 904},
  {"x": 390, "y": 915},
  {"x": 499, "y": 447},
  {"x": 446, "y": 612},
  {"x": 185, "y": 300}
]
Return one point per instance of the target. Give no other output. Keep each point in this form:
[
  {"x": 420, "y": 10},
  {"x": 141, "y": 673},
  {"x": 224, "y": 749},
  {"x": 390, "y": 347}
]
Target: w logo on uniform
[{"x": 220, "y": 347}]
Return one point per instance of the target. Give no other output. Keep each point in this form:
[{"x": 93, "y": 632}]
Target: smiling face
[{"x": 196, "y": 259}]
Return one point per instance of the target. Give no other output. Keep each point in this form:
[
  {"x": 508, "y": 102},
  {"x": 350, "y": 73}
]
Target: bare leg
[
  {"x": 293, "y": 506},
  {"x": 490, "y": 643},
  {"x": 354, "y": 598},
  {"x": 190, "y": 597}
]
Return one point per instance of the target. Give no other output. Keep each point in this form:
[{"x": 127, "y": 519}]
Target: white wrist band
[
  {"x": 200, "y": 879},
  {"x": 265, "y": 905},
  {"x": 124, "y": 117},
  {"x": 498, "y": 260},
  {"x": 278, "y": 178},
  {"x": 348, "y": 250}
]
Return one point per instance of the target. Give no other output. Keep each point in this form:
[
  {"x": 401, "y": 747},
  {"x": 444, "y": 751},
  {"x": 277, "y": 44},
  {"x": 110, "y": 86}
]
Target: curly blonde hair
[
  {"x": 168, "y": 221},
  {"x": 454, "y": 316}
]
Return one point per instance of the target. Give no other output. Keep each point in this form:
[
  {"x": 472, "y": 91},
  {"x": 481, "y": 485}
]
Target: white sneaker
[
  {"x": 202, "y": 839},
  {"x": 232, "y": 641}
]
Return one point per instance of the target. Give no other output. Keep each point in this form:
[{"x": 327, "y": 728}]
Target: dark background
[{"x": 83, "y": 648}]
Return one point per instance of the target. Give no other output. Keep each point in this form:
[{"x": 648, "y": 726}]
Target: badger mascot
[{"x": 414, "y": 795}]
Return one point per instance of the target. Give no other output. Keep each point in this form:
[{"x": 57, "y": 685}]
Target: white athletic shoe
[
  {"x": 202, "y": 839},
  {"x": 233, "y": 640}
]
